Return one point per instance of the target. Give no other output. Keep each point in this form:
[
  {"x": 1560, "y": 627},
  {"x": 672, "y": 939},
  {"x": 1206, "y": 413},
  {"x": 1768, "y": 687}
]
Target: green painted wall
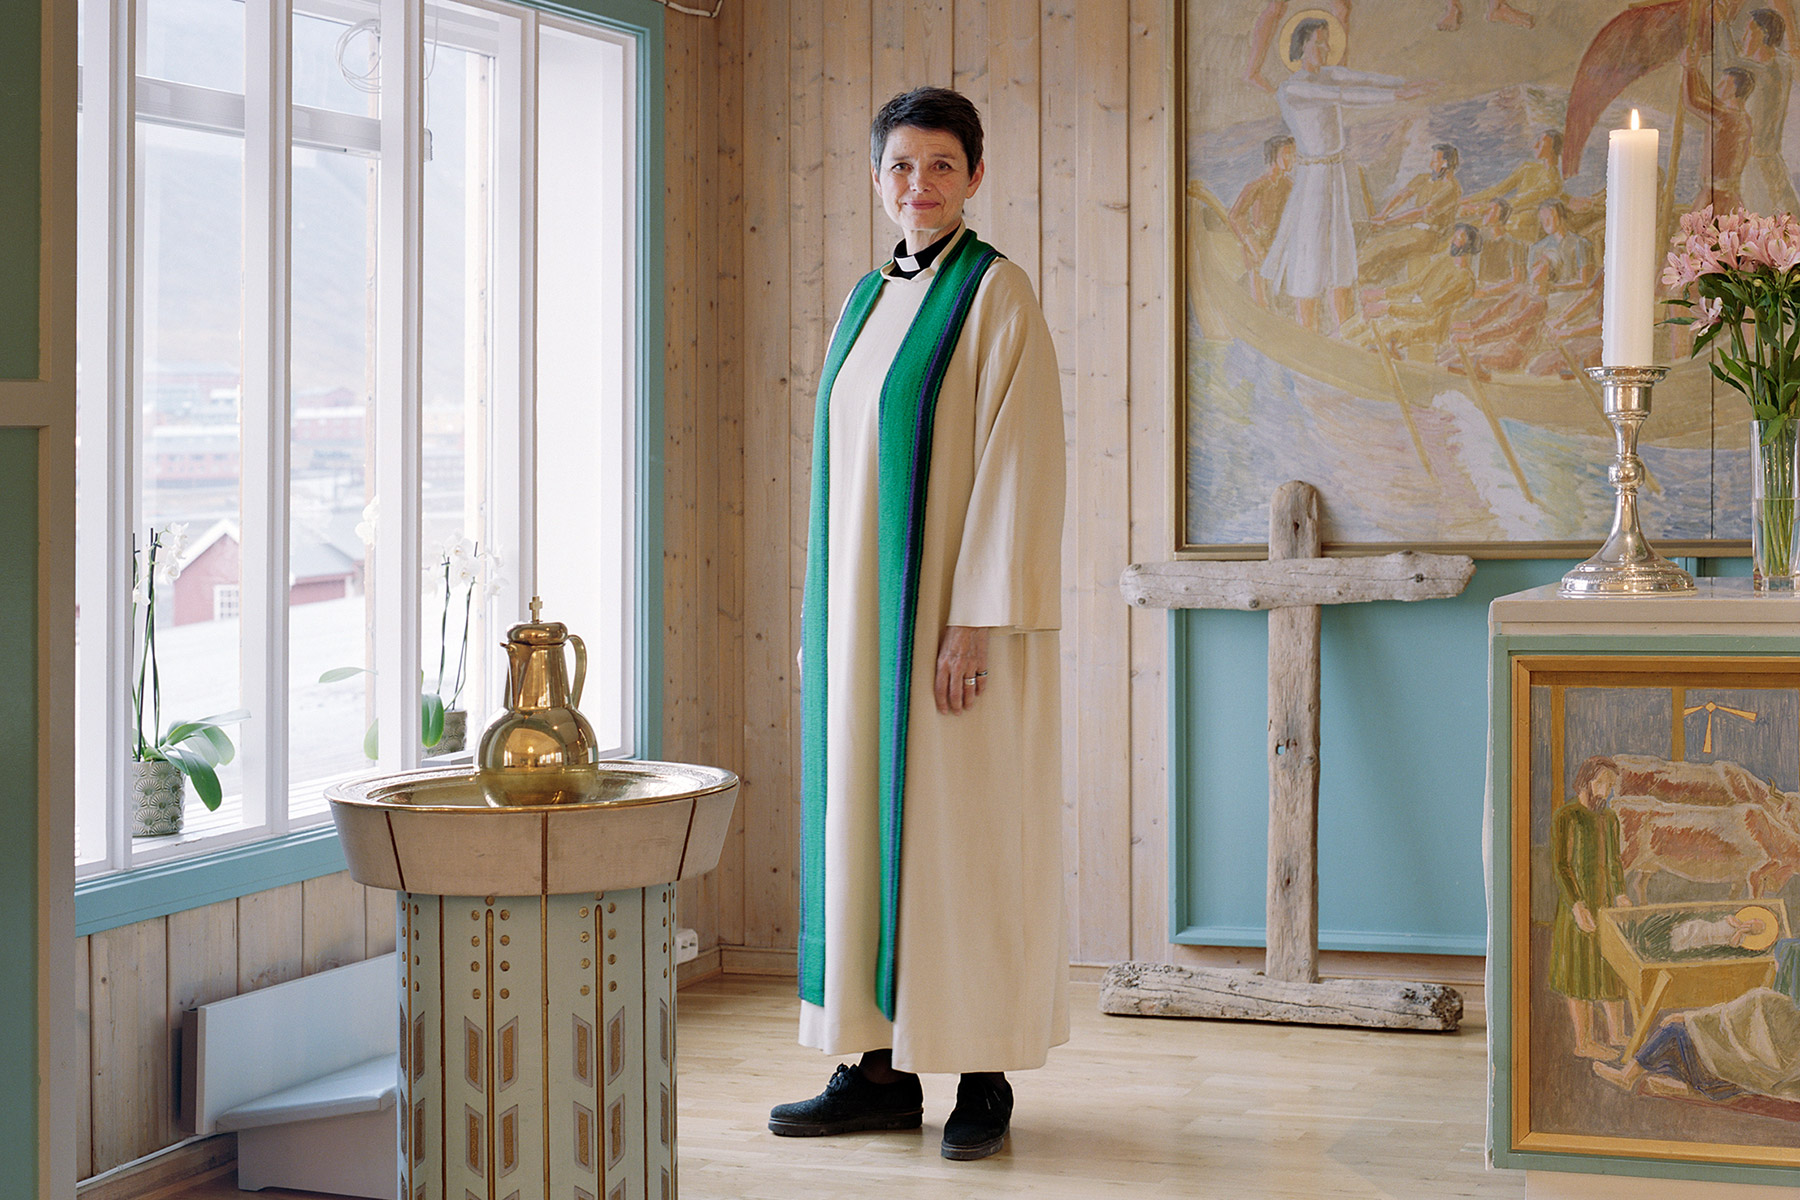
[
  {"x": 20, "y": 180},
  {"x": 1403, "y": 745},
  {"x": 18, "y": 806},
  {"x": 1403, "y": 727}
]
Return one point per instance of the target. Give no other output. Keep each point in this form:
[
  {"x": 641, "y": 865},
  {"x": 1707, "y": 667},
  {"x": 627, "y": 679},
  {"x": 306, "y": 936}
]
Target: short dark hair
[
  {"x": 1743, "y": 82},
  {"x": 1452, "y": 156},
  {"x": 1774, "y": 29},
  {"x": 1471, "y": 243},
  {"x": 1272, "y": 147},
  {"x": 928, "y": 108},
  {"x": 1303, "y": 34},
  {"x": 1556, "y": 141},
  {"x": 1504, "y": 205}
]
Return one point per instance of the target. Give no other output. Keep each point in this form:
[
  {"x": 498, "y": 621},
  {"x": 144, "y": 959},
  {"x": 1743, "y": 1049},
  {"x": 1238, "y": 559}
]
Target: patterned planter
[
  {"x": 455, "y": 736},
  {"x": 157, "y": 791}
]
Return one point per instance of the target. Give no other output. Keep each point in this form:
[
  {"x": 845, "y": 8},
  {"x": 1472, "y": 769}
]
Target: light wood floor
[{"x": 1130, "y": 1107}]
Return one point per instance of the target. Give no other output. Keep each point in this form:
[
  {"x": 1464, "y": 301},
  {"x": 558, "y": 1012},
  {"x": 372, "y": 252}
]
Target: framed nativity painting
[
  {"x": 1392, "y": 248},
  {"x": 1646, "y": 972}
]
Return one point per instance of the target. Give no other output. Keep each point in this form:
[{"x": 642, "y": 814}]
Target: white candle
[{"x": 1628, "y": 313}]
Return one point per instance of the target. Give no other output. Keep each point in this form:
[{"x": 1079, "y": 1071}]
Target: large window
[{"x": 359, "y": 287}]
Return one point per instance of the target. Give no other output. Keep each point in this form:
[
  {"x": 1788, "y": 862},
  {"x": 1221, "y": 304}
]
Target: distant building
[{"x": 208, "y": 588}]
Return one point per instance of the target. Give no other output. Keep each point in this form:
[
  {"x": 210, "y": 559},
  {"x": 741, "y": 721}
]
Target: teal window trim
[
  {"x": 126, "y": 897},
  {"x": 156, "y": 891},
  {"x": 1506, "y": 647}
]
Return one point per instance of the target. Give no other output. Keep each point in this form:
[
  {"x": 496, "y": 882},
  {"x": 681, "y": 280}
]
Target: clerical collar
[{"x": 907, "y": 265}]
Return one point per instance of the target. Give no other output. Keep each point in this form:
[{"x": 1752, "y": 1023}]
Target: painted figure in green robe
[{"x": 1584, "y": 847}]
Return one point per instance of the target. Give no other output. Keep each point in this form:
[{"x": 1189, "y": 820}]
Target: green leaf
[
  {"x": 339, "y": 673},
  {"x": 206, "y": 786},
  {"x": 1736, "y": 368},
  {"x": 372, "y": 741},
  {"x": 198, "y": 772},
  {"x": 186, "y": 729},
  {"x": 219, "y": 748},
  {"x": 1726, "y": 379},
  {"x": 431, "y": 719}
]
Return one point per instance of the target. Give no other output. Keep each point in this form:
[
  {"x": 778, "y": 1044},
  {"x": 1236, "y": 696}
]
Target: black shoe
[
  {"x": 852, "y": 1102},
  {"x": 984, "y": 1104}
]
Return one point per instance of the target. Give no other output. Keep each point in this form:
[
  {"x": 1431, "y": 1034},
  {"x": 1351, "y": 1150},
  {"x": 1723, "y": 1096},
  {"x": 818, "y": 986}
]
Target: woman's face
[{"x": 923, "y": 179}]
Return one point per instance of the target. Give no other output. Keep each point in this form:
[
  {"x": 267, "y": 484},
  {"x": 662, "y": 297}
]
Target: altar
[{"x": 1644, "y": 857}]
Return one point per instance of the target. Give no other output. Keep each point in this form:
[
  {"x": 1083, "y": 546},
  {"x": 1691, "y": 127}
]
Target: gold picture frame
[
  {"x": 1420, "y": 434},
  {"x": 1665, "y": 790}
]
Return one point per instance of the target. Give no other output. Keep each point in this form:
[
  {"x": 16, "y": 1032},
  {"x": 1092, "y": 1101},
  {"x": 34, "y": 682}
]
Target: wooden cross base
[
  {"x": 1291, "y": 586},
  {"x": 1164, "y": 990}
]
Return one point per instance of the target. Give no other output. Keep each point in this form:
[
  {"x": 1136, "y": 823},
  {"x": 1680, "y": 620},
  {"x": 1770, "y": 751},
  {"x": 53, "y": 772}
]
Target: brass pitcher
[{"x": 541, "y": 750}]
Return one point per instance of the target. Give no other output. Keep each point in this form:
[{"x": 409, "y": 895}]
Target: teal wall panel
[
  {"x": 21, "y": 156},
  {"x": 19, "y": 807},
  {"x": 1402, "y": 781}
]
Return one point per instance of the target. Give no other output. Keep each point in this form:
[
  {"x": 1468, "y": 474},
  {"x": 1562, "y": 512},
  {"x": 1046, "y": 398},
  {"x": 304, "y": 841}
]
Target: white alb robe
[
  {"x": 981, "y": 959},
  {"x": 1314, "y": 249}
]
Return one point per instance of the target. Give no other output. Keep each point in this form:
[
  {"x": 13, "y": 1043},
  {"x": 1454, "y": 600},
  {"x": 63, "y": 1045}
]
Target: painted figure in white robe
[
  {"x": 1314, "y": 252},
  {"x": 979, "y": 956}
]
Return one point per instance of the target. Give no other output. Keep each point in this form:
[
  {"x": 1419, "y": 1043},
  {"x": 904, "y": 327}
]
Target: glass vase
[{"x": 1774, "y": 469}]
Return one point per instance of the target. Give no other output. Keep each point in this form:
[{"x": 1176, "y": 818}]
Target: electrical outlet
[{"x": 687, "y": 945}]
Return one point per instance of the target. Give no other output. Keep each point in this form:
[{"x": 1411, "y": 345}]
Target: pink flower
[
  {"x": 1696, "y": 221},
  {"x": 1710, "y": 311},
  {"x": 1728, "y": 250},
  {"x": 1784, "y": 251}
]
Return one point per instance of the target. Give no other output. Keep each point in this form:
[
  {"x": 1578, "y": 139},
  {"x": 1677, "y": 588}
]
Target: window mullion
[
  {"x": 514, "y": 301},
  {"x": 399, "y": 335},
  {"x": 265, "y": 412},
  {"x": 107, "y": 421}
]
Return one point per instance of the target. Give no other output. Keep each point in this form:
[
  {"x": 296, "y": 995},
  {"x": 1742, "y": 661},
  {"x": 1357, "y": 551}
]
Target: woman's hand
[
  {"x": 961, "y": 667},
  {"x": 1584, "y": 919}
]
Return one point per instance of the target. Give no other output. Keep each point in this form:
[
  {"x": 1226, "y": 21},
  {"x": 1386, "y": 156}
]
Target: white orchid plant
[
  {"x": 460, "y": 568},
  {"x": 196, "y": 748}
]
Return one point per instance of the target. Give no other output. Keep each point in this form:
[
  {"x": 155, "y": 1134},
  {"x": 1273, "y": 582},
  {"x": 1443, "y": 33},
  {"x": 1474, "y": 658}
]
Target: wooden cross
[{"x": 1291, "y": 585}]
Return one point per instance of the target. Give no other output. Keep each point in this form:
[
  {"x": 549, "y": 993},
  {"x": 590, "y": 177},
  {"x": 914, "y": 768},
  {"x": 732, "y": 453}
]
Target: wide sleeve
[
  {"x": 1009, "y": 563},
  {"x": 1343, "y": 86}
]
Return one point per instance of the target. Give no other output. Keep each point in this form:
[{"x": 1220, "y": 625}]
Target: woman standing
[{"x": 932, "y": 935}]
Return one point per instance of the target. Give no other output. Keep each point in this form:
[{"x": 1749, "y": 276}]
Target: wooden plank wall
[
  {"x": 136, "y": 981},
  {"x": 771, "y": 218}
]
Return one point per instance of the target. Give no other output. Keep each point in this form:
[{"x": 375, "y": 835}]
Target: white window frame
[{"x": 109, "y": 275}]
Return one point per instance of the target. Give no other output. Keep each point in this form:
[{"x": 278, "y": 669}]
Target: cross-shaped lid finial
[{"x": 537, "y": 609}]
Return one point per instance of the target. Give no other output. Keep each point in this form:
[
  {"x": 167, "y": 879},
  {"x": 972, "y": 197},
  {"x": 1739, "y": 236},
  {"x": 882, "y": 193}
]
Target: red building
[{"x": 208, "y": 587}]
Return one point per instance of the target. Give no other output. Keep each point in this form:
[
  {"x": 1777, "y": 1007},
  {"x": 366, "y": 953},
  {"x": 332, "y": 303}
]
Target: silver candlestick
[{"x": 1626, "y": 565}]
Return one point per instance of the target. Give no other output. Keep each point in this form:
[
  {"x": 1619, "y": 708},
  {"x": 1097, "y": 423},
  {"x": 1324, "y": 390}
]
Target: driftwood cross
[{"x": 1290, "y": 585}]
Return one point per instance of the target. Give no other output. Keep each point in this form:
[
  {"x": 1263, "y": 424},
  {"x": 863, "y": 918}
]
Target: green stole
[{"x": 908, "y": 408}]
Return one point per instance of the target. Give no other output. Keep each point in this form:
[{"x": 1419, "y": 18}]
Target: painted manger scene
[
  {"x": 1394, "y": 258},
  {"x": 1656, "y": 971}
]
